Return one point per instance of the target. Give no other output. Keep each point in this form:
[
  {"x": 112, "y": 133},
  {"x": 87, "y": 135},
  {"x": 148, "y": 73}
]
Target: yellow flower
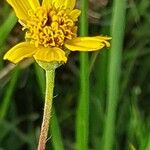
[{"x": 50, "y": 31}]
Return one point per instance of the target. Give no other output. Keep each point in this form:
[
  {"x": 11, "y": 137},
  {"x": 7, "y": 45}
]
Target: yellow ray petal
[
  {"x": 67, "y": 4},
  {"x": 46, "y": 2},
  {"x": 34, "y": 4},
  {"x": 103, "y": 37},
  {"x": 87, "y": 43},
  {"x": 20, "y": 51},
  {"x": 50, "y": 54},
  {"x": 74, "y": 14},
  {"x": 21, "y": 8}
]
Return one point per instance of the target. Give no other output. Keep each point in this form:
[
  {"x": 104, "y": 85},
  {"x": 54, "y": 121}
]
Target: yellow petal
[
  {"x": 103, "y": 37},
  {"x": 46, "y": 2},
  {"x": 21, "y": 8},
  {"x": 67, "y": 4},
  {"x": 20, "y": 51},
  {"x": 74, "y": 14},
  {"x": 34, "y": 4},
  {"x": 50, "y": 54},
  {"x": 87, "y": 43}
]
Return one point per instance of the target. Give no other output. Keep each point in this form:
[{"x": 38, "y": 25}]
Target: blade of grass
[
  {"x": 56, "y": 140},
  {"x": 82, "y": 120},
  {"x": 118, "y": 22},
  {"x": 5, "y": 29},
  {"x": 7, "y": 26},
  {"x": 40, "y": 78},
  {"x": 8, "y": 94},
  {"x": 101, "y": 76},
  {"x": 54, "y": 127},
  {"x": 100, "y": 92}
]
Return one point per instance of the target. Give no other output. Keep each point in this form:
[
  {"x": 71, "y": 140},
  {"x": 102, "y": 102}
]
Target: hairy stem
[{"x": 50, "y": 75}]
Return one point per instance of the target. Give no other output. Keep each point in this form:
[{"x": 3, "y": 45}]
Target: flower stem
[
  {"x": 82, "y": 120},
  {"x": 114, "y": 71},
  {"x": 50, "y": 75}
]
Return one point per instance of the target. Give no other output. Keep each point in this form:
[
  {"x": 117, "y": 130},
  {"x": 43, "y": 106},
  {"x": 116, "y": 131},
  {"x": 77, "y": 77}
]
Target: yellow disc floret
[{"x": 49, "y": 27}]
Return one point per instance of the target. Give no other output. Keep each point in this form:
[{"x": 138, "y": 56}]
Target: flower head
[{"x": 50, "y": 31}]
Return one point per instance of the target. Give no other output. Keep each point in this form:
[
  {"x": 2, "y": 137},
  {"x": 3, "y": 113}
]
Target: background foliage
[{"x": 22, "y": 87}]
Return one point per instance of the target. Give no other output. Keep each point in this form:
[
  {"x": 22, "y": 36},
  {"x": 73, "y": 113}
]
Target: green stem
[
  {"x": 50, "y": 75},
  {"x": 54, "y": 128},
  {"x": 82, "y": 122},
  {"x": 118, "y": 22}
]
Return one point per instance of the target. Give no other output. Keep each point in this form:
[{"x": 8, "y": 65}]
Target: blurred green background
[{"x": 22, "y": 87}]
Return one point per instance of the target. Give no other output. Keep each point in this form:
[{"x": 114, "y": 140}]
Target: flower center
[{"x": 49, "y": 27}]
